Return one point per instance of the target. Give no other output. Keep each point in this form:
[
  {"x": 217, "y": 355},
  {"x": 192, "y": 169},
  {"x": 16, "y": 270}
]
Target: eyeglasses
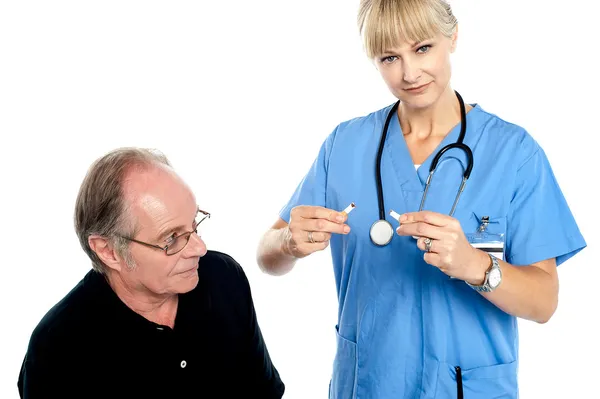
[{"x": 176, "y": 243}]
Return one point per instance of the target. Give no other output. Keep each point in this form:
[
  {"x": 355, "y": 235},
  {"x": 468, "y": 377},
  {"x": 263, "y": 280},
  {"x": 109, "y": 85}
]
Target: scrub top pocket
[
  {"x": 343, "y": 381},
  {"x": 496, "y": 381},
  {"x": 487, "y": 232}
]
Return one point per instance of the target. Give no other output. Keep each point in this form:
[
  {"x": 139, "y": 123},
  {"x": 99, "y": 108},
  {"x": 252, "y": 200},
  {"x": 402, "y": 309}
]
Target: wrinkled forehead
[{"x": 159, "y": 196}]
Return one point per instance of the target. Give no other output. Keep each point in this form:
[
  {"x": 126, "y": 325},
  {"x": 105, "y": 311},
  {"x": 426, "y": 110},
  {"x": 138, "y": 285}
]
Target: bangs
[{"x": 386, "y": 24}]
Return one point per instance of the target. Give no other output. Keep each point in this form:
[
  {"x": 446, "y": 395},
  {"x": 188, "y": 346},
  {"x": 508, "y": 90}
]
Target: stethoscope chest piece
[{"x": 381, "y": 232}]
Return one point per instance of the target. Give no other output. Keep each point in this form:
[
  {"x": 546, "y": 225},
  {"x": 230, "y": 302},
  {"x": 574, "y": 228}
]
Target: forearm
[
  {"x": 528, "y": 292},
  {"x": 272, "y": 255}
]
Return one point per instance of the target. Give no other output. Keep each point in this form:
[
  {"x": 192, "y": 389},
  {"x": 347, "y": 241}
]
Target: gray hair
[{"x": 101, "y": 208}]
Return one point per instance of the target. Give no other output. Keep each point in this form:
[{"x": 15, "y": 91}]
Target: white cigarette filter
[
  {"x": 395, "y": 215},
  {"x": 349, "y": 208}
]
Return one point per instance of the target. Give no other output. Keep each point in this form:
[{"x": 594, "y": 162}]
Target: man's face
[{"x": 164, "y": 208}]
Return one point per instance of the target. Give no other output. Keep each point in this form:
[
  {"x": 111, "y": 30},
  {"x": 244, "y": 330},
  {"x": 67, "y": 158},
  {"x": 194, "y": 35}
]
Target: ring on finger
[
  {"x": 427, "y": 243},
  {"x": 310, "y": 237}
]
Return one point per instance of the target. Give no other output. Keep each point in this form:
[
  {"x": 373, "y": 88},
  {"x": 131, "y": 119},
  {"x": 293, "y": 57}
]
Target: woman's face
[{"x": 418, "y": 73}]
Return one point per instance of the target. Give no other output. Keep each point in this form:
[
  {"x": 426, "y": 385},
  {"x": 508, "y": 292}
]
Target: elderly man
[{"x": 158, "y": 315}]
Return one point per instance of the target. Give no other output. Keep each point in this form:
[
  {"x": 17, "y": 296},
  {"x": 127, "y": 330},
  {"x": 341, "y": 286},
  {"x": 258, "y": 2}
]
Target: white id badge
[{"x": 491, "y": 243}]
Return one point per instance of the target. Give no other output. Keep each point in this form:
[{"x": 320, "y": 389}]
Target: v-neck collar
[{"x": 397, "y": 153}]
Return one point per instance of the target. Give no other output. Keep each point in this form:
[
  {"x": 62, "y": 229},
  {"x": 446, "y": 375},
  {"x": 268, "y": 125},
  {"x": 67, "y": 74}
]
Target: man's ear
[{"x": 105, "y": 251}]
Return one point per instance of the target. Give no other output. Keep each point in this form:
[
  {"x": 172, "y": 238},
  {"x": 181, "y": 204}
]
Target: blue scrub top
[{"x": 403, "y": 325}]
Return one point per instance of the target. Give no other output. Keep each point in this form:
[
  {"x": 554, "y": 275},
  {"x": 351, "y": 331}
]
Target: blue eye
[
  {"x": 424, "y": 49},
  {"x": 388, "y": 59}
]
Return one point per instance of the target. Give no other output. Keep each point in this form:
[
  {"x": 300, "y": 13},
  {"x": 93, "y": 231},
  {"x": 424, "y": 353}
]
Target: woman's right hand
[{"x": 312, "y": 223}]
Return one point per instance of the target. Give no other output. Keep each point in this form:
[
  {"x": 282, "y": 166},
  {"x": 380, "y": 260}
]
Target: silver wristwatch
[{"x": 493, "y": 277}]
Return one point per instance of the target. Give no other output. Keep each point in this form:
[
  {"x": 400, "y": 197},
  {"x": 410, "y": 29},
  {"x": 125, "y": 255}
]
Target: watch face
[{"x": 494, "y": 278}]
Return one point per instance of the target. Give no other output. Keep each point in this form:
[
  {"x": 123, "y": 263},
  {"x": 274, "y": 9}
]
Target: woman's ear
[{"x": 454, "y": 39}]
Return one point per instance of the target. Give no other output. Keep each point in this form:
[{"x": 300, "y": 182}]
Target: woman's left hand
[{"x": 450, "y": 251}]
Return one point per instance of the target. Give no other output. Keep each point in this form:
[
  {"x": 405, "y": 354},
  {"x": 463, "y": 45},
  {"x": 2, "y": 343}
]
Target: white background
[{"x": 240, "y": 95}]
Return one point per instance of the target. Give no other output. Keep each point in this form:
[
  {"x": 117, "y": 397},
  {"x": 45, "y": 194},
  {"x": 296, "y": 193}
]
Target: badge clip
[{"x": 485, "y": 220}]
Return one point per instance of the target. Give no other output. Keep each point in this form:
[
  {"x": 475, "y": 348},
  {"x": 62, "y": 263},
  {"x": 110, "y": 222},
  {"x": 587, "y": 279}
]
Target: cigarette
[
  {"x": 349, "y": 208},
  {"x": 395, "y": 215}
]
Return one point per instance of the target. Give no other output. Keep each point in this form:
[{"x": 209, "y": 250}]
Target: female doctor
[{"x": 428, "y": 300}]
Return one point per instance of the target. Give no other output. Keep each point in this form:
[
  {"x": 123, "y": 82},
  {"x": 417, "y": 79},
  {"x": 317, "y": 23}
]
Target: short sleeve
[
  {"x": 313, "y": 187},
  {"x": 263, "y": 379},
  {"x": 540, "y": 224},
  {"x": 43, "y": 373}
]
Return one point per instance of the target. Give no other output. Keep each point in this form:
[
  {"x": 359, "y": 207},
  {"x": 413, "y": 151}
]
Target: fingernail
[
  {"x": 346, "y": 229},
  {"x": 403, "y": 218},
  {"x": 339, "y": 218}
]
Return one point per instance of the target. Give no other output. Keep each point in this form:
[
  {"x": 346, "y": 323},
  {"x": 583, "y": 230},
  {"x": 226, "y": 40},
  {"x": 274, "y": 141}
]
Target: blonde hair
[
  {"x": 384, "y": 23},
  {"x": 101, "y": 207}
]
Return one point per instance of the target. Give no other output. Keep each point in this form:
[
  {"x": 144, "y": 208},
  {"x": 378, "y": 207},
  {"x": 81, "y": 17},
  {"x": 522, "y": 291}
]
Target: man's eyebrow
[{"x": 164, "y": 232}]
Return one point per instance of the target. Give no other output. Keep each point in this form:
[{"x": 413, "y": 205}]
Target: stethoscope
[{"x": 382, "y": 231}]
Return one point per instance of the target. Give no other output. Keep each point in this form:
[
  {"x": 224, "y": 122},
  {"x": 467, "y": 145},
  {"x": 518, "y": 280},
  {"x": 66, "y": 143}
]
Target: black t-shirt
[{"x": 91, "y": 345}]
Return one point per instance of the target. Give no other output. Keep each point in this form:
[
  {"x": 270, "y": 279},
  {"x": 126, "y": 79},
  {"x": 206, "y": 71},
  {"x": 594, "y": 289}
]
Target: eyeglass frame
[{"x": 166, "y": 247}]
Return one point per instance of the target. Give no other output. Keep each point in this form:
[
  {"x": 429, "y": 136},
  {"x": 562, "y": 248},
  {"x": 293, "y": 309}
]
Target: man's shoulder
[
  {"x": 59, "y": 323},
  {"x": 222, "y": 279},
  {"x": 217, "y": 265}
]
